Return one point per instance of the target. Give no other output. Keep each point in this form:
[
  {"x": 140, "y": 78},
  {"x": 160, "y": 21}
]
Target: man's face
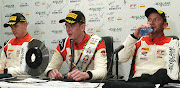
[
  {"x": 157, "y": 22},
  {"x": 19, "y": 30},
  {"x": 74, "y": 30}
]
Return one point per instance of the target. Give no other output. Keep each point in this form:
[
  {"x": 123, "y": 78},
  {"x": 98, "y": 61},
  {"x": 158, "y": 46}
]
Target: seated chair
[{"x": 109, "y": 50}]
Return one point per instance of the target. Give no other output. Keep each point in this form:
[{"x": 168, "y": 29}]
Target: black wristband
[
  {"x": 48, "y": 72},
  {"x": 134, "y": 36},
  {"x": 90, "y": 75},
  {"x": 5, "y": 71}
]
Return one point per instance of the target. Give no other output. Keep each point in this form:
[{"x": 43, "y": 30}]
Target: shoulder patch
[{"x": 62, "y": 44}]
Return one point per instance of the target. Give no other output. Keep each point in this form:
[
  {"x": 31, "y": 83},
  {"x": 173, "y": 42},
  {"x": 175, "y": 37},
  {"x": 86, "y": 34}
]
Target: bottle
[{"x": 145, "y": 31}]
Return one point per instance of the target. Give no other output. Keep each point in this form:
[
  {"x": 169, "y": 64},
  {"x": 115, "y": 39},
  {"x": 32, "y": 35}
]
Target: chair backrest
[
  {"x": 109, "y": 50},
  {"x": 174, "y": 37}
]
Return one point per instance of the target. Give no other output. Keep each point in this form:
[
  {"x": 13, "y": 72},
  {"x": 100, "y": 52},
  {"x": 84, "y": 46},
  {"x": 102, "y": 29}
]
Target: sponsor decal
[
  {"x": 52, "y": 51},
  {"x": 57, "y": 12},
  {"x": 41, "y": 13},
  {"x": 138, "y": 17},
  {"x": 167, "y": 28},
  {"x": 163, "y": 4},
  {"x": 39, "y": 22},
  {"x": 9, "y": 6},
  {"x": 90, "y": 30},
  {"x": 145, "y": 49},
  {"x": 110, "y": 13},
  {"x": 103, "y": 53},
  {"x": 36, "y": 32},
  {"x": 57, "y": 31},
  {"x": 110, "y": 18},
  {"x": 43, "y": 32},
  {"x": 161, "y": 52},
  {"x": 57, "y": 1},
  {"x": 9, "y": 55},
  {"x": 115, "y": 29},
  {"x": 37, "y": 3},
  {"x": 142, "y": 6},
  {"x": 172, "y": 57},
  {"x": 8, "y": 33},
  {"x": 98, "y": 30},
  {"x": 117, "y": 40},
  {"x": 75, "y": 1},
  {"x": 159, "y": 57},
  {"x": 96, "y": 9},
  {"x": 144, "y": 58},
  {"x": 94, "y": 19},
  {"x": 116, "y": 7},
  {"x": 53, "y": 21},
  {"x": 134, "y": 28},
  {"x": 24, "y": 5},
  {"x": 133, "y": 6},
  {"x": 10, "y": 50},
  {"x": 144, "y": 53},
  {"x": 55, "y": 41}
]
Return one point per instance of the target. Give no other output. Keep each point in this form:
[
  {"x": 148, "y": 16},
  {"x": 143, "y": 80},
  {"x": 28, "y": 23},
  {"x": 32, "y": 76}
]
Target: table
[{"x": 37, "y": 83}]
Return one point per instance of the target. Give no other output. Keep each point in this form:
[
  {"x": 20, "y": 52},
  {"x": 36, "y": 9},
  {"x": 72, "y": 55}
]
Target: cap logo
[
  {"x": 13, "y": 18},
  {"x": 72, "y": 15},
  {"x": 70, "y": 21},
  {"x": 160, "y": 12}
]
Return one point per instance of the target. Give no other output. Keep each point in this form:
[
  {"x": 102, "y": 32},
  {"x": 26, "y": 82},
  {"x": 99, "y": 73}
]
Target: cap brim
[
  {"x": 9, "y": 23},
  {"x": 62, "y": 20},
  {"x": 149, "y": 11}
]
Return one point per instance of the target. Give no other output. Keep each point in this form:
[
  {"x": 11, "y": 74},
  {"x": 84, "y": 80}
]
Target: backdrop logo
[
  {"x": 163, "y": 3},
  {"x": 53, "y": 21},
  {"x": 8, "y": 15},
  {"x": 41, "y": 13},
  {"x": 90, "y": 30},
  {"x": 57, "y": 31},
  {"x": 36, "y": 32},
  {"x": 51, "y": 51},
  {"x": 94, "y": 19},
  {"x": 24, "y": 5},
  {"x": 116, "y": 40},
  {"x": 58, "y": 1},
  {"x": 133, "y": 29},
  {"x": 75, "y": 0},
  {"x": 138, "y": 17},
  {"x": 110, "y": 18},
  {"x": 115, "y": 29},
  {"x": 117, "y": 7},
  {"x": 57, "y": 12},
  {"x": 9, "y": 6},
  {"x": 37, "y": 3},
  {"x": 133, "y": 6},
  {"x": 39, "y": 22},
  {"x": 8, "y": 33},
  {"x": 96, "y": 9},
  {"x": 55, "y": 41}
]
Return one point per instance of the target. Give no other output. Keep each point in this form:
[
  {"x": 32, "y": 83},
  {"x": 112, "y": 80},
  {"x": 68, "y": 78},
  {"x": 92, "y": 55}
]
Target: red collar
[{"x": 158, "y": 41}]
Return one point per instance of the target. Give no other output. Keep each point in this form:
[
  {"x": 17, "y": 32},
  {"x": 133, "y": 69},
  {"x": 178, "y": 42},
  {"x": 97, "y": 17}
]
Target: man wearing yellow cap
[
  {"x": 10, "y": 57},
  {"x": 90, "y": 60}
]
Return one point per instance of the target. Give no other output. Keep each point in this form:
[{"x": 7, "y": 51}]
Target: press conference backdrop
[{"x": 117, "y": 18}]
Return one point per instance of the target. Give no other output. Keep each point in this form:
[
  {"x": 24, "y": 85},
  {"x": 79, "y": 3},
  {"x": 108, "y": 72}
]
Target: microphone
[
  {"x": 0, "y": 47},
  {"x": 118, "y": 49},
  {"x": 72, "y": 54}
]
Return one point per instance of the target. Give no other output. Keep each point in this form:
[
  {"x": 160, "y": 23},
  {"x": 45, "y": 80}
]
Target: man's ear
[
  {"x": 83, "y": 26},
  {"x": 165, "y": 25}
]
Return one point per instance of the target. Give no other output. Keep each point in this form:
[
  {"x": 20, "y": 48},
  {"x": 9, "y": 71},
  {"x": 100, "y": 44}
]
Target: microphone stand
[{"x": 72, "y": 54}]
